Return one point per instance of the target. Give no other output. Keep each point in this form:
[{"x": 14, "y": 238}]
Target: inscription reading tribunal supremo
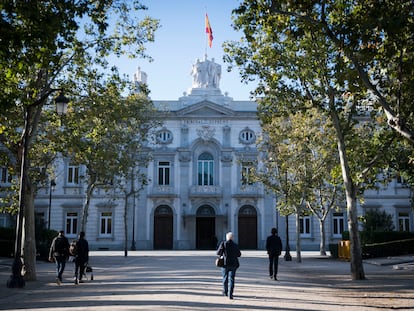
[{"x": 205, "y": 121}]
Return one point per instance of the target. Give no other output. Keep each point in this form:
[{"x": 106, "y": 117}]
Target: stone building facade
[{"x": 198, "y": 186}]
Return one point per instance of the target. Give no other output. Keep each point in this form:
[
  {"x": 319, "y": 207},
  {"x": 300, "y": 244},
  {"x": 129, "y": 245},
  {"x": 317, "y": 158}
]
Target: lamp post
[
  {"x": 51, "y": 189},
  {"x": 16, "y": 280},
  {"x": 133, "y": 244},
  {"x": 288, "y": 257}
]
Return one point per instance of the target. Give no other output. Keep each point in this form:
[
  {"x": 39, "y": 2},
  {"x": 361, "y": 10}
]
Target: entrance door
[
  {"x": 205, "y": 233},
  {"x": 206, "y": 228},
  {"x": 247, "y": 227},
  {"x": 163, "y": 228}
]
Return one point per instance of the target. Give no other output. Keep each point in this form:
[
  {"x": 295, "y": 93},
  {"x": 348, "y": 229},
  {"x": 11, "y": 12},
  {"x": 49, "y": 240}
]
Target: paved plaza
[{"x": 188, "y": 280}]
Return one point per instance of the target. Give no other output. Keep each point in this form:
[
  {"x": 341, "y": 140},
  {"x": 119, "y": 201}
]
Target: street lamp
[
  {"x": 61, "y": 104},
  {"x": 51, "y": 189},
  {"x": 16, "y": 280}
]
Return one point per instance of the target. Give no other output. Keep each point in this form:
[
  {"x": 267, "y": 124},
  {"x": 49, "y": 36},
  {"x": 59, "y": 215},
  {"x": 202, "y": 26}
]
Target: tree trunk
[
  {"x": 322, "y": 246},
  {"x": 85, "y": 210},
  {"x": 29, "y": 239},
  {"x": 357, "y": 268}
]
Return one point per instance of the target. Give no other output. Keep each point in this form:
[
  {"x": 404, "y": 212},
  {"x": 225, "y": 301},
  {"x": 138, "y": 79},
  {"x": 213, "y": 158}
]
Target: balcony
[
  {"x": 205, "y": 191},
  {"x": 249, "y": 191},
  {"x": 162, "y": 191}
]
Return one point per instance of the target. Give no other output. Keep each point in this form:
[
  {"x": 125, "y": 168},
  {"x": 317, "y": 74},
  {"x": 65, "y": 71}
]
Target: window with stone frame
[
  {"x": 164, "y": 171},
  {"x": 105, "y": 229},
  {"x": 305, "y": 226},
  {"x": 164, "y": 136},
  {"x": 338, "y": 224},
  {"x": 71, "y": 223},
  {"x": 5, "y": 177},
  {"x": 403, "y": 221},
  {"x": 205, "y": 169},
  {"x": 247, "y": 136},
  {"x": 73, "y": 174},
  {"x": 246, "y": 173}
]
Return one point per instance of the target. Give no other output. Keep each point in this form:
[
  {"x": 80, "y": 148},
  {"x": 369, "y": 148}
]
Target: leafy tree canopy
[{"x": 369, "y": 44}]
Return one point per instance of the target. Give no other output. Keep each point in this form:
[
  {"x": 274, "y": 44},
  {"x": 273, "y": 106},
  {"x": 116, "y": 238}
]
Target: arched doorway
[
  {"x": 206, "y": 228},
  {"x": 247, "y": 227},
  {"x": 163, "y": 227}
]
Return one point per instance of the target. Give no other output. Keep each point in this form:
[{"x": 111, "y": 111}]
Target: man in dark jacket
[
  {"x": 59, "y": 252},
  {"x": 231, "y": 252},
  {"x": 81, "y": 257},
  {"x": 274, "y": 249}
]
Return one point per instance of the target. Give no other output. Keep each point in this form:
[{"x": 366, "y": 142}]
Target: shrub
[{"x": 44, "y": 239}]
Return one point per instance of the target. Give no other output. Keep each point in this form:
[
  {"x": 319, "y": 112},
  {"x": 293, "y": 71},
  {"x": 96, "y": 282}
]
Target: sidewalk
[{"x": 188, "y": 280}]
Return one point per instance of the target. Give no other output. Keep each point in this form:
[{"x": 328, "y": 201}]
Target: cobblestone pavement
[{"x": 188, "y": 280}]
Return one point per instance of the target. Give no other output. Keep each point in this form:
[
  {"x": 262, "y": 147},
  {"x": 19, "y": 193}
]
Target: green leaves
[{"x": 359, "y": 47}]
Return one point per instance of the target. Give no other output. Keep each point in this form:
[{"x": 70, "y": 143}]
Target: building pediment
[{"x": 205, "y": 108}]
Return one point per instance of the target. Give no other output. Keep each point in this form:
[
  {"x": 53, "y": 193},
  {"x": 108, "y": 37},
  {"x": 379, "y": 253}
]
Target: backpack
[
  {"x": 73, "y": 248},
  {"x": 60, "y": 246}
]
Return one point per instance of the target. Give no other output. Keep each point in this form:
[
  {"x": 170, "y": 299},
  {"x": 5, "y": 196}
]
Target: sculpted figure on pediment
[{"x": 206, "y": 74}]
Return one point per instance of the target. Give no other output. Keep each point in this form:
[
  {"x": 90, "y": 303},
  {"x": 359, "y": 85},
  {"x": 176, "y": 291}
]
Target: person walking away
[
  {"x": 81, "y": 257},
  {"x": 230, "y": 250},
  {"x": 59, "y": 253},
  {"x": 274, "y": 249}
]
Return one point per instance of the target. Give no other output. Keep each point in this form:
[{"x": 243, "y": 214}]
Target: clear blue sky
[{"x": 180, "y": 40}]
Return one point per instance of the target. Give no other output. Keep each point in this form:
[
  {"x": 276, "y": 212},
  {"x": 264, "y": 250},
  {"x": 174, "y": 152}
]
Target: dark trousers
[
  {"x": 80, "y": 264},
  {"x": 273, "y": 264}
]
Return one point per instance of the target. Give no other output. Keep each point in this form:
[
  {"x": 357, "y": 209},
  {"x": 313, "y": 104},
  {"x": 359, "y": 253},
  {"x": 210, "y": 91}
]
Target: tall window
[
  {"x": 338, "y": 224},
  {"x": 305, "y": 226},
  {"x": 164, "y": 173},
  {"x": 106, "y": 224},
  {"x": 3, "y": 220},
  {"x": 205, "y": 169},
  {"x": 403, "y": 221},
  {"x": 246, "y": 171},
  {"x": 40, "y": 220},
  {"x": 400, "y": 181},
  {"x": 5, "y": 178},
  {"x": 71, "y": 223},
  {"x": 73, "y": 175}
]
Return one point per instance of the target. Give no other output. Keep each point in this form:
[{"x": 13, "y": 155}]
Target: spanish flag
[{"x": 209, "y": 32}]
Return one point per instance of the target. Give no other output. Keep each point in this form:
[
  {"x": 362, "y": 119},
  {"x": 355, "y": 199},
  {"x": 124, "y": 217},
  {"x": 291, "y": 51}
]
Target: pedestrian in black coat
[
  {"x": 274, "y": 249},
  {"x": 81, "y": 258},
  {"x": 230, "y": 250}
]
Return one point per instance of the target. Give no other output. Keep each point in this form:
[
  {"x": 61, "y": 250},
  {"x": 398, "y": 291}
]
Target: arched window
[
  {"x": 247, "y": 210},
  {"x": 206, "y": 211},
  {"x": 205, "y": 169}
]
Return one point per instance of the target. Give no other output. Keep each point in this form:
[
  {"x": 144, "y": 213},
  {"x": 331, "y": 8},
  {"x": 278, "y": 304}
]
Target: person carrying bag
[{"x": 230, "y": 251}]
